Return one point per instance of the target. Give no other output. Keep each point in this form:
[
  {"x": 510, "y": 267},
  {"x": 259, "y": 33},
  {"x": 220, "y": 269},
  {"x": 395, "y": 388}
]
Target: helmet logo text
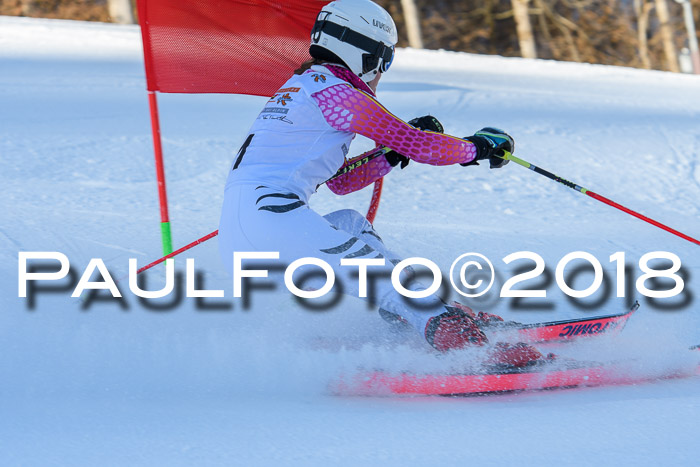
[{"x": 381, "y": 25}]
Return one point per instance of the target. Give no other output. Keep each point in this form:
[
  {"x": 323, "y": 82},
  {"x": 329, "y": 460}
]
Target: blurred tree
[
  {"x": 120, "y": 11},
  {"x": 410, "y": 13},
  {"x": 667, "y": 35},
  {"x": 642, "y": 10},
  {"x": 526, "y": 40}
]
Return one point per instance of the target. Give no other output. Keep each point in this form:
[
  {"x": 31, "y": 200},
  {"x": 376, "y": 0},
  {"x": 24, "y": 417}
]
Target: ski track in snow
[{"x": 99, "y": 384}]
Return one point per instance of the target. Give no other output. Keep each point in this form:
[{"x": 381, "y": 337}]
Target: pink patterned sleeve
[
  {"x": 361, "y": 176},
  {"x": 348, "y": 109}
]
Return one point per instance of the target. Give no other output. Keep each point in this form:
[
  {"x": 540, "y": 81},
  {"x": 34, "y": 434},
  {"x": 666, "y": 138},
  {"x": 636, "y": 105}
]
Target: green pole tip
[{"x": 166, "y": 237}]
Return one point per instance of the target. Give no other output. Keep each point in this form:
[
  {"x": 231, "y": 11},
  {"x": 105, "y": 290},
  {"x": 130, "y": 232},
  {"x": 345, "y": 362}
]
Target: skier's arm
[
  {"x": 348, "y": 109},
  {"x": 367, "y": 168},
  {"x": 357, "y": 174}
]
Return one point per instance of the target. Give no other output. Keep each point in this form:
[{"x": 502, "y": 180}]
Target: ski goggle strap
[{"x": 376, "y": 50}]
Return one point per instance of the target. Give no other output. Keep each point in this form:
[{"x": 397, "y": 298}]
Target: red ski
[
  {"x": 547, "y": 375},
  {"x": 561, "y": 330},
  {"x": 534, "y": 333}
]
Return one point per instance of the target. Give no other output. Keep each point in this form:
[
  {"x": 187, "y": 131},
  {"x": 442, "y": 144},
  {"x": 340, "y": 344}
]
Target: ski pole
[
  {"x": 374, "y": 202},
  {"x": 380, "y": 151},
  {"x": 177, "y": 252},
  {"x": 585, "y": 191}
]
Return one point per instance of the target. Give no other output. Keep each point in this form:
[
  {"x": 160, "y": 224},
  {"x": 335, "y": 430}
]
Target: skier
[{"x": 301, "y": 139}]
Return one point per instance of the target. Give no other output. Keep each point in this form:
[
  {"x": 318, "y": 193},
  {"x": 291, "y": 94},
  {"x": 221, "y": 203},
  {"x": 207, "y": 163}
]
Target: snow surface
[{"x": 96, "y": 384}]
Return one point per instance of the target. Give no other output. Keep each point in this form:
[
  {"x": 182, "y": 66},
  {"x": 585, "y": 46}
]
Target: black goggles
[{"x": 376, "y": 50}]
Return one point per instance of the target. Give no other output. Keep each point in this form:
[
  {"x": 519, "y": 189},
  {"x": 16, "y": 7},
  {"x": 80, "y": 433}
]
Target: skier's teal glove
[{"x": 490, "y": 143}]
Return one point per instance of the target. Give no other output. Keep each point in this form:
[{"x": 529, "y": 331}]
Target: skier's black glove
[
  {"x": 426, "y": 122},
  {"x": 490, "y": 143}
]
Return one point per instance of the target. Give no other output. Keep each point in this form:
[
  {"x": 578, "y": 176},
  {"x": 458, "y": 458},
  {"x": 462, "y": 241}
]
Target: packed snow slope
[{"x": 99, "y": 383}]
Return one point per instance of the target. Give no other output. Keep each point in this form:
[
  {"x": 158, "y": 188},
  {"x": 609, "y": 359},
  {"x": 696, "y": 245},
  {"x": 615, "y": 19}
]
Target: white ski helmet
[{"x": 358, "y": 33}]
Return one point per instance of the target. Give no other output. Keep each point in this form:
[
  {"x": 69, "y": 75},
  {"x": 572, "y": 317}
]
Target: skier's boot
[
  {"x": 457, "y": 329},
  {"x": 453, "y": 329},
  {"x": 502, "y": 353}
]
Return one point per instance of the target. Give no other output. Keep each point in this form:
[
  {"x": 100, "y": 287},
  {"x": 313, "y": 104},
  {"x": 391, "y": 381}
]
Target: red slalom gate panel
[{"x": 224, "y": 46}]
